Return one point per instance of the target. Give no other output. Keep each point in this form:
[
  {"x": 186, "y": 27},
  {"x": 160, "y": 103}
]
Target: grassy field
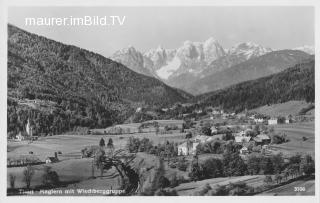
[
  {"x": 192, "y": 187},
  {"x": 288, "y": 189},
  {"x": 70, "y": 167},
  {"x": 282, "y": 109},
  {"x": 294, "y": 133}
]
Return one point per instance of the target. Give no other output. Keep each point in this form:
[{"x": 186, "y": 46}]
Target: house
[
  {"x": 242, "y": 139},
  {"x": 244, "y": 150},
  {"x": 51, "y": 160},
  {"x": 20, "y": 137},
  {"x": 164, "y": 109},
  {"x": 201, "y": 138},
  {"x": 258, "y": 120},
  {"x": 187, "y": 148},
  {"x": 287, "y": 121},
  {"x": 215, "y": 112},
  {"x": 214, "y": 130},
  {"x": 241, "y": 115},
  {"x": 241, "y": 133},
  {"x": 272, "y": 121},
  {"x": 262, "y": 139}
]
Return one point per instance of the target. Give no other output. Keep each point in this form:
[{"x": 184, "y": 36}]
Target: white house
[
  {"x": 244, "y": 150},
  {"x": 51, "y": 160},
  {"x": 258, "y": 120},
  {"x": 187, "y": 148},
  {"x": 214, "y": 130},
  {"x": 272, "y": 121},
  {"x": 242, "y": 139},
  {"x": 19, "y": 137},
  {"x": 287, "y": 121}
]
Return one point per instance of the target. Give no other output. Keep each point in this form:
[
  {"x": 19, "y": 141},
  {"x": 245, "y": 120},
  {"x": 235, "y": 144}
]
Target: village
[{"x": 203, "y": 135}]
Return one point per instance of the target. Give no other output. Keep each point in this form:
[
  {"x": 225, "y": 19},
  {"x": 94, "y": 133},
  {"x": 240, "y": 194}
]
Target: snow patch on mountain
[{"x": 166, "y": 71}]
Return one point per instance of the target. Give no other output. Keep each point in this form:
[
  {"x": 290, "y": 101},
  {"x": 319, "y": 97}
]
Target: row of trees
[
  {"x": 167, "y": 149},
  {"x": 50, "y": 178},
  {"x": 232, "y": 164}
]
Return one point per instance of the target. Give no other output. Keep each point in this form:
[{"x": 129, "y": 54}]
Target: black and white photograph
[{"x": 160, "y": 100}]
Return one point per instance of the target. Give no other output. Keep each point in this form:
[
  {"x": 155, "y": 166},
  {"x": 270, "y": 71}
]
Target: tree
[
  {"x": 196, "y": 172},
  {"x": 228, "y": 135},
  {"x": 27, "y": 175},
  {"x": 278, "y": 178},
  {"x": 233, "y": 165},
  {"x": 253, "y": 164},
  {"x": 50, "y": 178},
  {"x": 163, "y": 182},
  {"x": 98, "y": 159},
  {"x": 268, "y": 166},
  {"x": 102, "y": 143},
  {"x": 12, "y": 181},
  {"x": 267, "y": 180},
  {"x": 110, "y": 143},
  {"x": 307, "y": 165},
  {"x": 206, "y": 130},
  {"x": 189, "y": 135},
  {"x": 212, "y": 168},
  {"x": 277, "y": 163}
]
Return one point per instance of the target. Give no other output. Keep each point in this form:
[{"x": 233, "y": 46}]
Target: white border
[{"x": 4, "y": 4}]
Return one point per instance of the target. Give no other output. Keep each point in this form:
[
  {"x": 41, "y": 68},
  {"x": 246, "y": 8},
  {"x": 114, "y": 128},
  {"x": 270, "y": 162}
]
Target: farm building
[
  {"x": 262, "y": 139},
  {"x": 272, "y": 121}
]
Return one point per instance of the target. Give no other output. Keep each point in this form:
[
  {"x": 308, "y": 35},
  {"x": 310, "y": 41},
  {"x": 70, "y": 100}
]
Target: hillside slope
[
  {"x": 295, "y": 83},
  {"x": 84, "y": 84},
  {"x": 254, "y": 68}
]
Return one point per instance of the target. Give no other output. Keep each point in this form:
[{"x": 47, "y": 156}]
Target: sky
[{"x": 148, "y": 27}]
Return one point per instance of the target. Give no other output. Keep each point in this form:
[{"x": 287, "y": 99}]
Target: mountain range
[
  {"x": 85, "y": 89},
  {"x": 193, "y": 66}
]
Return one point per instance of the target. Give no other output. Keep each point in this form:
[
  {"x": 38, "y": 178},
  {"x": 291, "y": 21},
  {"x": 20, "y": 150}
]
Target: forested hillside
[
  {"x": 295, "y": 83},
  {"x": 86, "y": 89}
]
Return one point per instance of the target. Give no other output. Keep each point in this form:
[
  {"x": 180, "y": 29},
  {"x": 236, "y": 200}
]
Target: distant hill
[
  {"x": 295, "y": 83},
  {"x": 270, "y": 63},
  {"x": 90, "y": 90}
]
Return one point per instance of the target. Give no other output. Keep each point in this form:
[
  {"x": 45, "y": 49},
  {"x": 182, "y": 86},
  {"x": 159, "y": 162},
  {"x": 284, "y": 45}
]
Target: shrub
[{"x": 50, "y": 178}]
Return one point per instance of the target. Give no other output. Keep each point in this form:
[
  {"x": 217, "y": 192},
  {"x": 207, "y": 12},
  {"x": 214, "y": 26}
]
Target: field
[
  {"x": 294, "y": 133},
  {"x": 71, "y": 167},
  {"x": 76, "y": 172},
  {"x": 282, "y": 109},
  {"x": 192, "y": 187},
  {"x": 289, "y": 189}
]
